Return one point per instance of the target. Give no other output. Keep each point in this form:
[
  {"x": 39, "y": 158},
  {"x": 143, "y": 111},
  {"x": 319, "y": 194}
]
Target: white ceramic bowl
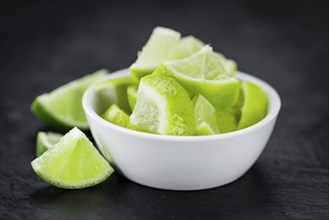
[{"x": 181, "y": 162}]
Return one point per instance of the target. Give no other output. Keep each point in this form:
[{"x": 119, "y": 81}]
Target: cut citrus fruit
[
  {"x": 62, "y": 109},
  {"x": 116, "y": 116},
  {"x": 132, "y": 96},
  {"x": 163, "y": 106},
  {"x": 226, "y": 120},
  {"x": 189, "y": 45},
  {"x": 203, "y": 73},
  {"x": 254, "y": 107},
  {"x": 230, "y": 66},
  {"x": 114, "y": 91},
  {"x": 46, "y": 140},
  {"x": 72, "y": 163},
  {"x": 205, "y": 116},
  {"x": 164, "y": 45}
]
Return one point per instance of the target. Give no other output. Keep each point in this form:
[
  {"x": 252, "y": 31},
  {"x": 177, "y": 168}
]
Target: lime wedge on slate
[
  {"x": 72, "y": 163},
  {"x": 62, "y": 109},
  {"x": 46, "y": 140}
]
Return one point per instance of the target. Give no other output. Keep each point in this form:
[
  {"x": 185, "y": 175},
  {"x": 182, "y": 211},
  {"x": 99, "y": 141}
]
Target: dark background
[{"x": 46, "y": 44}]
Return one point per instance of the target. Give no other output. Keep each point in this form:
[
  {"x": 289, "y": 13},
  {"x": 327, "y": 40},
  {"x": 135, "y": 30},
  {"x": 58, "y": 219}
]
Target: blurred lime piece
[
  {"x": 226, "y": 120},
  {"x": 254, "y": 107},
  {"x": 116, "y": 116},
  {"x": 164, "y": 45},
  {"x": 114, "y": 91},
  {"x": 132, "y": 96},
  {"x": 62, "y": 109},
  {"x": 163, "y": 106},
  {"x": 46, "y": 140},
  {"x": 205, "y": 116},
  {"x": 203, "y": 73},
  {"x": 72, "y": 163},
  {"x": 189, "y": 45},
  {"x": 230, "y": 66}
]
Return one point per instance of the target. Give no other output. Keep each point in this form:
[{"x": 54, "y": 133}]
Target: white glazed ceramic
[{"x": 181, "y": 162}]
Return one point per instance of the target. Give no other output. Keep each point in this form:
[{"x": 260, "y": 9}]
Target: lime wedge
[
  {"x": 62, "y": 108},
  {"x": 254, "y": 107},
  {"x": 116, "y": 116},
  {"x": 46, "y": 140},
  {"x": 189, "y": 45},
  {"x": 230, "y": 66},
  {"x": 164, "y": 45},
  {"x": 72, "y": 163},
  {"x": 226, "y": 120},
  {"x": 163, "y": 106},
  {"x": 114, "y": 91},
  {"x": 205, "y": 116},
  {"x": 203, "y": 73},
  {"x": 132, "y": 96}
]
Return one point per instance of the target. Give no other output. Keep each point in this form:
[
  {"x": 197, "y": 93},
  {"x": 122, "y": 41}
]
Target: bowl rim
[{"x": 274, "y": 100}]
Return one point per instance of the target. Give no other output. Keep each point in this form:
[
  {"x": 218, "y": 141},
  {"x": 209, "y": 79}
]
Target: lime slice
[
  {"x": 46, "y": 140},
  {"x": 226, "y": 120},
  {"x": 163, "y": 106},
  {"x": 203, "y": 73},
  {"x": 62, "y": 108},
  {"x": 132, "y": 96},
  {"x": 254, "y": 107},
  {"x": 73, "y": 163},
  {"x": 205, "y": 116},
  {"x": 114, "y": 91},
  {"x": 116, "y": 116},
  {"x": 164, "y": 45}
]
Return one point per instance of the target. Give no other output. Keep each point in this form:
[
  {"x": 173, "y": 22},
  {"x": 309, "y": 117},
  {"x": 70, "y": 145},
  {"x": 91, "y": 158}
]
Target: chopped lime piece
[
  {"x": 205, "y": 116},
  {"x": 114, "y": 91},
  {"x": 46, "y": 140},
  {"x": 116, "y": 116},
  {"x": 62, "y": 109},
  {"x": 226, "y": 120},
  {"x": 203, "y": 73},
  {"x": 230, "y": 66},
  {"x": 254, "y": 106},
  {"x": 163, "y": 106},
  {"x": 132, "y": 96},
  {"x": 189, "y": 45},
  {"x": 164, "y": 45},
  {"x": 72, "y": 163}
]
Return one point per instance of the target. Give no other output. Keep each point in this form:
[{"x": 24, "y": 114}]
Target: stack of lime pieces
[{"x": 177, "y": 86}]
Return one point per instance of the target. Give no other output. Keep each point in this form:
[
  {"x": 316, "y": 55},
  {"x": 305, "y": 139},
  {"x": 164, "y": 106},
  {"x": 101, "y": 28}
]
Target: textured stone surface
[{"x": 44, "y": 45}]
